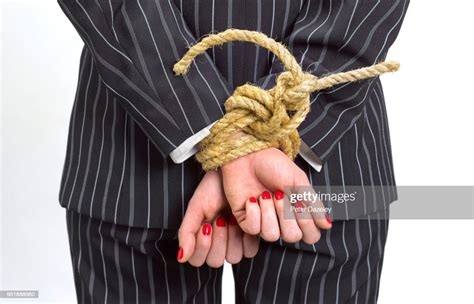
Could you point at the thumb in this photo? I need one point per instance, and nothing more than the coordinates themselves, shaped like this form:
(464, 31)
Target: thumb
(190, 225)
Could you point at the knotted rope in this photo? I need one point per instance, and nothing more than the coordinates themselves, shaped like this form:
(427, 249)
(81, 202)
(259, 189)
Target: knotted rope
(263, 115)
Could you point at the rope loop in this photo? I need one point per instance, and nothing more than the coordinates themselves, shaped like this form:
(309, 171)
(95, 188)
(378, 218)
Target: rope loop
(264, 115)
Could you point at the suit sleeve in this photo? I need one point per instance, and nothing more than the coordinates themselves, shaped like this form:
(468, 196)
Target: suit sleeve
(135, 45)
(335, 36)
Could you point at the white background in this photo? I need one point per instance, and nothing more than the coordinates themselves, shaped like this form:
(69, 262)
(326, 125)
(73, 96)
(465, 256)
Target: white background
(430, 105)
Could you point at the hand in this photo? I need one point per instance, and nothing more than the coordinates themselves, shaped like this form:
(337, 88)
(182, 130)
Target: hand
(250, 178)
(209, 233)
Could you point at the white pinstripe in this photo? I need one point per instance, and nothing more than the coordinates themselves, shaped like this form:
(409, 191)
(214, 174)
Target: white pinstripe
(123, 167)
(73, 124)
(91, 140)
(278, 275)
(106, 284)
(100, 152)
(358, 27)
(81, 137)
(100, 33)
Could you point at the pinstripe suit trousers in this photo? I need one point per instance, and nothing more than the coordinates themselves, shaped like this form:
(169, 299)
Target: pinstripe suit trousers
(122, 264)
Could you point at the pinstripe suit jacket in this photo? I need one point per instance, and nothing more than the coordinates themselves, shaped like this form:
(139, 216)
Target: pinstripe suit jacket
(130, 111)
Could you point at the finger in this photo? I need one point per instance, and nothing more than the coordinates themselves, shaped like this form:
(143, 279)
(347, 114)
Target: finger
(190, 226)
(251, 222)
(311, 233)
(251, 244)
(269, 225)
(216, 256)
(319, 215)
(235, 249)
(203, 244)
(290, 231)
(187, 242)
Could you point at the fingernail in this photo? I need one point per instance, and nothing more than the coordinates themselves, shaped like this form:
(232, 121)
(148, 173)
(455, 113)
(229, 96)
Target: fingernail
(299, 206)
(232, 220)
(253, 199)
(206, 229)
(266, 195)
(279, 195)
(180, 254)
(220, 221)
(328, 219)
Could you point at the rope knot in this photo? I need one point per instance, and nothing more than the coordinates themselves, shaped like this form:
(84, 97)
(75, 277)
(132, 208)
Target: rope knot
(296, 91)
(265, 118)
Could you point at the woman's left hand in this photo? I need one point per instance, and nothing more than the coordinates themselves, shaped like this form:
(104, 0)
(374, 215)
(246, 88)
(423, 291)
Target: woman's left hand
(209, 233)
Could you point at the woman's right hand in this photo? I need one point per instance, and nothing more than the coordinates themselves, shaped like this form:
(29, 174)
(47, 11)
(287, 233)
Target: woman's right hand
(249, 182)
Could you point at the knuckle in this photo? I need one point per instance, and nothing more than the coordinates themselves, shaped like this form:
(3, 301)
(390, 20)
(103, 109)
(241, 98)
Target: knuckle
(306, 223)
(270, 236)
(250, 253)
(312, 238)
(219, 238)
(214, 263)
(203, 244)
(233, 259)
(301, 176)
(252, 228)
(252, 231)
(196, 263)
(293, 236)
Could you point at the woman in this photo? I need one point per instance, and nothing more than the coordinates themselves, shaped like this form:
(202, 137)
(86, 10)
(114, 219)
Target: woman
(129, 178)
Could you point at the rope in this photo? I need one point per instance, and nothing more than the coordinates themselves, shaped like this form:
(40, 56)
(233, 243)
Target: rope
(263, 115)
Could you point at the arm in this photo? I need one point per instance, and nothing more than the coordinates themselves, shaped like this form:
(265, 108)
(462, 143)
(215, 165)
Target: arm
(191, 146)
(330, 37)
(135, 44)
(335, 36)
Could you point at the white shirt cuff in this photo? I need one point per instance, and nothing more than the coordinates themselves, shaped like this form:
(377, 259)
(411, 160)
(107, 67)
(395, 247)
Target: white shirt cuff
(190, 146)
(310, 157)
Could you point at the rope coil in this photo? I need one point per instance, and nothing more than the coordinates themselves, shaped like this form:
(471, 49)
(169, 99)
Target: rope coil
(263, 115)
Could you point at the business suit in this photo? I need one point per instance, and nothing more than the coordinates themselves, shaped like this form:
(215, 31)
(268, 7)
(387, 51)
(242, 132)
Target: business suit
(131, 112)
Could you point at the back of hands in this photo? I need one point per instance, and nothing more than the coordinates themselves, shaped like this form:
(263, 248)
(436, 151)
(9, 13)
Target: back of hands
(235, 206)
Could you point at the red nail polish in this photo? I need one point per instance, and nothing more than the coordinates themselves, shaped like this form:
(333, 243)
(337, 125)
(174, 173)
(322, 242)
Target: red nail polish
(206, 229)
(180, 254)
(279, 195)
(328, 219)
(299, 207)
(266, 195)
(232, 220)
(253, 199)
(220, 221)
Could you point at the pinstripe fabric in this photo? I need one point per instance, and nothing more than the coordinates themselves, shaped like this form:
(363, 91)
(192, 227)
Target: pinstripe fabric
(130, 111)
(343, 267)
(119, 264)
